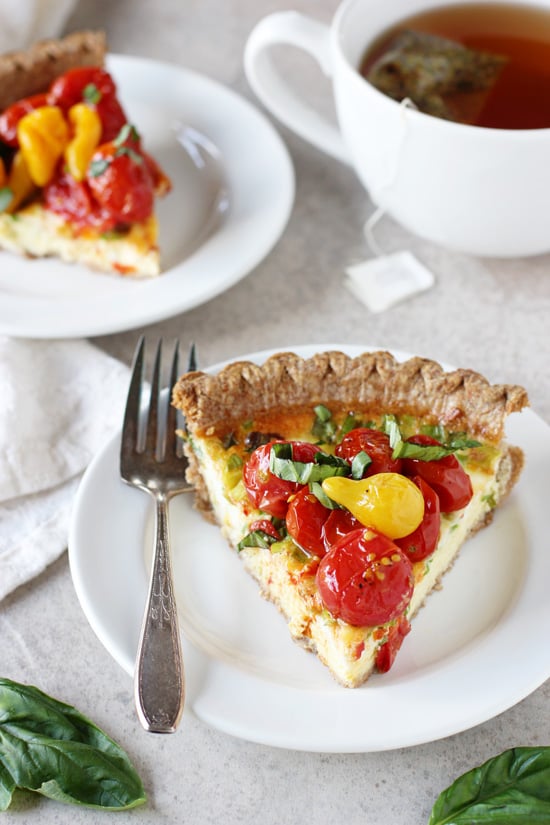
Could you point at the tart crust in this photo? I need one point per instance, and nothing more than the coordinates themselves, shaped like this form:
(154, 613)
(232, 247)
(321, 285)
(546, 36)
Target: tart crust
(29, 72)
(374, 382)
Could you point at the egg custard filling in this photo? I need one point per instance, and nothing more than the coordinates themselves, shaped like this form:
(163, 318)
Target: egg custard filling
(345, 505)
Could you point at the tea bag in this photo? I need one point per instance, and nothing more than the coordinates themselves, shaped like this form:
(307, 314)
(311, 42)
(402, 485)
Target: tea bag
(442, 77)
(382, 282)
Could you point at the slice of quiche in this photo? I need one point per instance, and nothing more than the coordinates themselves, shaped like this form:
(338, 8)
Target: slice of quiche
(348, 486)
(75, 179)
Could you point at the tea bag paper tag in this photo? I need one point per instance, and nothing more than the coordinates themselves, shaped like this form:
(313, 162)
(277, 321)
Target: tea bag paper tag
(381, 282)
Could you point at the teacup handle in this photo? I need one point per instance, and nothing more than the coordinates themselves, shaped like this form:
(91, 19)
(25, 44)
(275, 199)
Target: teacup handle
(293, 29)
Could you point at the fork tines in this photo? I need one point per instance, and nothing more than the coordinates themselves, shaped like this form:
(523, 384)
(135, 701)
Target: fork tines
(148, 424)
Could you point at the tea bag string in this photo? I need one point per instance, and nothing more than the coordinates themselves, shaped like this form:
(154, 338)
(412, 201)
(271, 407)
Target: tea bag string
(379, 212)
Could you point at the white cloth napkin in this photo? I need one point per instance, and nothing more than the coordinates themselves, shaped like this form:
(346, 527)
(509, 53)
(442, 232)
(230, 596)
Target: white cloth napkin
(22, 22)
(59, 403)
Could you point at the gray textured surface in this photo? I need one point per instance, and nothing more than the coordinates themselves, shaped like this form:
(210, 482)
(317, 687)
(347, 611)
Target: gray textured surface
(489, 315)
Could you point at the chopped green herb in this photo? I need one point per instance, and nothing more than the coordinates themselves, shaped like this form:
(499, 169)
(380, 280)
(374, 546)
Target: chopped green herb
(91, 94)
(323, 413)
(350, 423)
(256, 538)
(6, 197)
(234, 462)
(424, 452)
(324, 428)
(490, 499)
(359, 464)
(127, 131)
(112, 235)
(319, 493)
(98, 167)
(325, 465)
(132, 154)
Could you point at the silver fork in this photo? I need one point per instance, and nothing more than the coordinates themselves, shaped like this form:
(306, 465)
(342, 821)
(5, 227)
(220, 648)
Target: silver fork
(151, 459)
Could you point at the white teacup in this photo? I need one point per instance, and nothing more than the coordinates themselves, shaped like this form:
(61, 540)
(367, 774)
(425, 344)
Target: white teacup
(479, 190)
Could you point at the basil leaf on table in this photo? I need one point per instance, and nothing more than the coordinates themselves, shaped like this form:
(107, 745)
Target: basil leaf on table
(510, 789)
(50, 747)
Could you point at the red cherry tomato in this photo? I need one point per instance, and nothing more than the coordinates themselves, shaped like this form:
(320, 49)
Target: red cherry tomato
(266, 526)
(338, 524)
(446, 476)
(266, 491)
(70, 88)
(365, 579)
(386, 653)
(73, 200)
(123, 186)
(373, 442)
(422, 542)
(11, 116)
(305, 519)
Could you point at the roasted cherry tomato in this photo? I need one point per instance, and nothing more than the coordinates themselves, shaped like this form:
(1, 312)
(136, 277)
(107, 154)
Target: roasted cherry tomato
(373, 442)
(11, 116)
(365, 579)
(266, 526)
(96, 87)
(305, 519)
(386, 653)
(446, 476)
(266, 491)
(338, 524)
(73, 200)
(422, 542)
(121, 183)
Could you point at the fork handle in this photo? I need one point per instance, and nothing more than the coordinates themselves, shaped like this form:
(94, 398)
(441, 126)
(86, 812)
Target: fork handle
(159, 681)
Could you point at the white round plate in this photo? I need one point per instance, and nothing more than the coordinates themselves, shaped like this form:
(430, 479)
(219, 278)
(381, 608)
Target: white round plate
(233, 190)
(476, 648)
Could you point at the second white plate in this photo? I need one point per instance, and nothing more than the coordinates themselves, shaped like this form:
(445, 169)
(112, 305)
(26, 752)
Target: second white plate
(233, 190)
(467, 658)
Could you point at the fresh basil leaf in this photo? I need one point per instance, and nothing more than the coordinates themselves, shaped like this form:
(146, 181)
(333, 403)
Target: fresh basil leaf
(6, 197)
(350, 422)
(91, 93)
(325, 465)
(98, 167)
(7, 787)
(320, 494)
(323, 413)
(359, 464)
(132, 154)
(510, 789)
(51, 748)
(256, 538)
(234, 462)
(126, 131)
(424, 452)
(460, 441)
(323, 428)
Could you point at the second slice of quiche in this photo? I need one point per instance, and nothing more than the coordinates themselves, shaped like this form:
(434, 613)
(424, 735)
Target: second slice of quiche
(75, 179)
(348, 486)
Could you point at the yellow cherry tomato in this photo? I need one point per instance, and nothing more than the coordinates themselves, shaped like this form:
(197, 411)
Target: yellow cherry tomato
(43, 135)
(19, 182)
(87, 128)
(387, 502)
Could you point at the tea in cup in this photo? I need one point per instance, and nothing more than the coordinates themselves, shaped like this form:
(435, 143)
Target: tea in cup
(466, 163)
